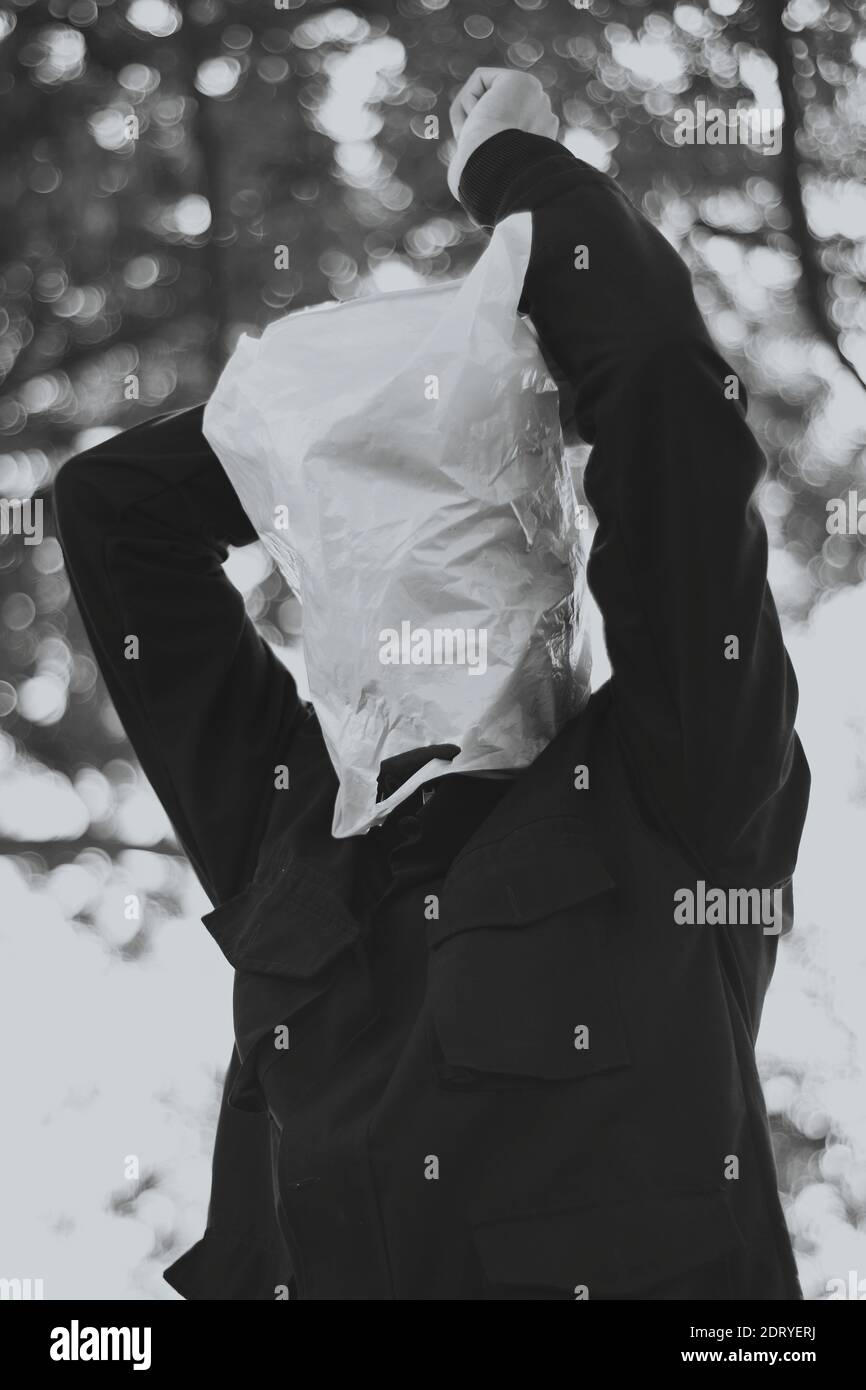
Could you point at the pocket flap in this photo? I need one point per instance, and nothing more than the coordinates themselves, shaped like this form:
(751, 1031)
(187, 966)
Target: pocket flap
(612, 1250)
(529, 1005)
(529, 875)
(288, 926)
(298, 955)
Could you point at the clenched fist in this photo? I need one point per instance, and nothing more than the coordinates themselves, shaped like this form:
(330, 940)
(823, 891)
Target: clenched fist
(495, 99)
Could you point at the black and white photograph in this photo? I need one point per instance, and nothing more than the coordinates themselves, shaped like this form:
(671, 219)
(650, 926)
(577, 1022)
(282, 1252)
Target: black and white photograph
(433, 662)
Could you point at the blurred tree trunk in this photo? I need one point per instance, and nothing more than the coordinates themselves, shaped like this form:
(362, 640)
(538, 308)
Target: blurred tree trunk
(814, 281)
(195, 47)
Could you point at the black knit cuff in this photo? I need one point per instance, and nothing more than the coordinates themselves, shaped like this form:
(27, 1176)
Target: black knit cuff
(500, 162)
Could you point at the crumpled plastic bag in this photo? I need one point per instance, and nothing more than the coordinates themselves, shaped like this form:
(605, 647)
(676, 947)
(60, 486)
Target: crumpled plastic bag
(401, 458)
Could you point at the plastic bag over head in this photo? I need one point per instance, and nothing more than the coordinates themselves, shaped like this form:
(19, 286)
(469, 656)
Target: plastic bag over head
(401, 458)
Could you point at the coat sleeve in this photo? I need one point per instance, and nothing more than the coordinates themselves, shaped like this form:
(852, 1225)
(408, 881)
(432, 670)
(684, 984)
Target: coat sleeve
(145, 520)
(704, 695)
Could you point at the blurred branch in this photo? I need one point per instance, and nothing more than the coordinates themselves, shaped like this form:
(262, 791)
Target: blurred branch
(57, 852)
(813, 277)
(751, 238)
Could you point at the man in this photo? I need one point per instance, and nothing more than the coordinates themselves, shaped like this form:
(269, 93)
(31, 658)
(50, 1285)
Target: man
(501, 1047)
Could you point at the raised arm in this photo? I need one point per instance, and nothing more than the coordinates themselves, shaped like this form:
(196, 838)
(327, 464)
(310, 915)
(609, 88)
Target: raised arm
(704, 694)
(145, 521)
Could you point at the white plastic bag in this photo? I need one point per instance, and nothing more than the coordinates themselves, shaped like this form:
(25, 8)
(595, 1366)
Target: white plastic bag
(401, 458)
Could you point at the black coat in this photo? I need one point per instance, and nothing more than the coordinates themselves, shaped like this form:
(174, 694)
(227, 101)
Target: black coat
(554, 1094)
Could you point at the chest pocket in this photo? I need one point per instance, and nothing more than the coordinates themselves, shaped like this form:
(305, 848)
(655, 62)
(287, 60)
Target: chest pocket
(302, 979)
(521, 983)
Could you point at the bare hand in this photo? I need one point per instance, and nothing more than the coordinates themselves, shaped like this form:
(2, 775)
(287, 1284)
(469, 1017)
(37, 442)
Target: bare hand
(495, 99)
